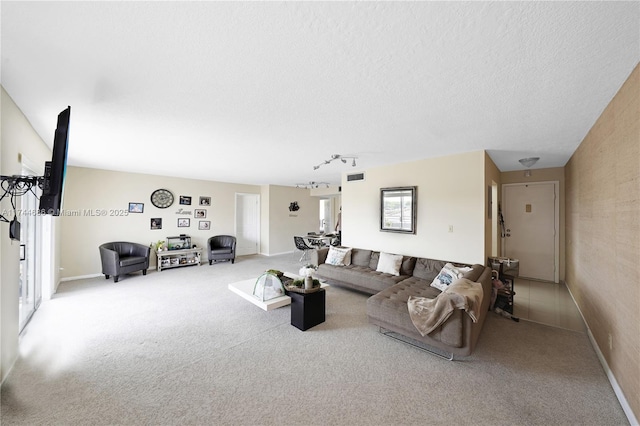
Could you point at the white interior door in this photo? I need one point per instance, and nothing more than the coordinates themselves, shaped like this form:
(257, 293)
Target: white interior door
(247, 224)
(531, 216)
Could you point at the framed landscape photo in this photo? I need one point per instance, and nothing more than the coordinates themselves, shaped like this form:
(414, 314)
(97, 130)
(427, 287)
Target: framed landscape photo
(200, 213)
(398, 208)
(205, 201)
(136, 207)
(184, 222)
(204, 225)
(156, 223)
(185, 200)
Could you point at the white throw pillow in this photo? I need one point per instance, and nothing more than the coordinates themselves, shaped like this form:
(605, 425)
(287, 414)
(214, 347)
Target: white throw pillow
(338, 256)
(447, 275)
(389, 263)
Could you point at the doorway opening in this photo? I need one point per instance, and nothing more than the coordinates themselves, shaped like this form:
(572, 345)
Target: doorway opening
(30, 280)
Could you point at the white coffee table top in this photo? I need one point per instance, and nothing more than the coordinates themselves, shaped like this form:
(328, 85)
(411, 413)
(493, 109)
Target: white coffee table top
(244, 289)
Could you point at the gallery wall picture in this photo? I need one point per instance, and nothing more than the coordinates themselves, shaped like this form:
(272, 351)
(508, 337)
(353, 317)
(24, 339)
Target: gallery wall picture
(156, 223)
(205, 201)
(136, 207)
(184, 223)
(204, 225)
(200, 213)
(185, 200)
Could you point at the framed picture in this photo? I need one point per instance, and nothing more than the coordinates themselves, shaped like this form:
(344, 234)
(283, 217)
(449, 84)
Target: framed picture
(184, 222)
(156, 223)
(205, 201)
(136, 207)
(204, 225)
(398, 209)
(22, 251)
(200, 213)
(185, 200)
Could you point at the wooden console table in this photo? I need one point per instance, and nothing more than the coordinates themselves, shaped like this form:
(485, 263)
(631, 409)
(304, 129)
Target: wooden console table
(176, 258)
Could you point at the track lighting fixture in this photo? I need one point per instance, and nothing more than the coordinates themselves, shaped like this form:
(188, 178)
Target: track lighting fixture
(342, 158)
(311, 185)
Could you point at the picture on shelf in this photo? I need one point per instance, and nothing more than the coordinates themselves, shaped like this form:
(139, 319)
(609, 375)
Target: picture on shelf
(184, 223)
(185, 200)
(200, 213)
(204, 225)
(156, 223)
(136, 207)
(205, 201)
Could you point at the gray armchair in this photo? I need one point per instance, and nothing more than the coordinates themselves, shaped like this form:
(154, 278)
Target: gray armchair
(121, 257)
(222, 247)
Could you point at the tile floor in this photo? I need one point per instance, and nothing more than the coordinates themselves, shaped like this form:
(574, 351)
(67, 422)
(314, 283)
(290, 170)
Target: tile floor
(546, 303)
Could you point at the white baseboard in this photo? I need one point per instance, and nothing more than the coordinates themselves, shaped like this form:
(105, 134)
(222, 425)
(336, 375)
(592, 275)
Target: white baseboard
(612, 378)
(276, 254)
(79, 277)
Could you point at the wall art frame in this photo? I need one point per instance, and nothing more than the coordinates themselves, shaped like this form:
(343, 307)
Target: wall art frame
(399, 209)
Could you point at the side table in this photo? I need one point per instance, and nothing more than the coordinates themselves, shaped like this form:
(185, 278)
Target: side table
(307, 309)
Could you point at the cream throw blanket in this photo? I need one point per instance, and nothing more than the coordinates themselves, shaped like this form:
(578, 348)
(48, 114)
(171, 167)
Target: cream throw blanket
(427, 314)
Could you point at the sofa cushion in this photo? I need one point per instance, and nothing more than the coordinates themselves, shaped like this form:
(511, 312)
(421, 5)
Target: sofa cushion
(389, 263)
(338, 256)
(475, 272)
(375, 258)
(359, 277)
(408, 263)
(360, 257)
(447, 275)
(427, 269)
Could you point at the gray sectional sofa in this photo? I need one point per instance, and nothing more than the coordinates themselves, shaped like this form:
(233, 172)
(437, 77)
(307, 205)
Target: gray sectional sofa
(387, 307)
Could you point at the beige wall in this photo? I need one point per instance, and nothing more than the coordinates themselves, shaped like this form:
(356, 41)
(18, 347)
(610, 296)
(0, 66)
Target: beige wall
(18, 139)
(451, 192)
(284, 224)
(603, 235)
(545, 175)
(90, 191)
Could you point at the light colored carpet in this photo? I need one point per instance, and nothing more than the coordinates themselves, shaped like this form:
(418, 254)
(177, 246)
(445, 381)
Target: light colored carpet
(177, 347)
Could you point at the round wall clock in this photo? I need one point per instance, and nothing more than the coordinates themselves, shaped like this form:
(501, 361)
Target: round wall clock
(162, 198)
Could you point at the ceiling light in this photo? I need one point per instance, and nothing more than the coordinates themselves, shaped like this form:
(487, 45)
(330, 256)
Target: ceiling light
(342, 158)
(528, 162)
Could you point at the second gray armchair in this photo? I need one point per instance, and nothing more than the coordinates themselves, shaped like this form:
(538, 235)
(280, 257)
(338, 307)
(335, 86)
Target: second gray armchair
(222, 247)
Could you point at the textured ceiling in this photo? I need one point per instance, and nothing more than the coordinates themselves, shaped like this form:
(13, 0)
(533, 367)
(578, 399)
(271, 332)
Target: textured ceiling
(260, 92)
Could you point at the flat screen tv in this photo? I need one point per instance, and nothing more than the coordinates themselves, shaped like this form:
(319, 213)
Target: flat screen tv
(55, 170)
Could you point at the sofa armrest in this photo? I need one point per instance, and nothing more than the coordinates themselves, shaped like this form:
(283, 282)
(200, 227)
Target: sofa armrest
(110, 261)
(319, 256)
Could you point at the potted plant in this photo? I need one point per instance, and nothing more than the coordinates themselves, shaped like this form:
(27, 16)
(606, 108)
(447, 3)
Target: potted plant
(307, 272)
(158, 245)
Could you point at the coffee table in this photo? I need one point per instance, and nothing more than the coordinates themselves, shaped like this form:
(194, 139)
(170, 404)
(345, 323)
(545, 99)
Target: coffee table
(244, 289)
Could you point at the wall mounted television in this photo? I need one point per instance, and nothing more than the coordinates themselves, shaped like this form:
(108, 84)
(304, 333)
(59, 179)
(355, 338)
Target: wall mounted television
(55, 170)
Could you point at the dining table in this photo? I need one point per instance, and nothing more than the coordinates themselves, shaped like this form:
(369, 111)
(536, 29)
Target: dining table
(320, 240)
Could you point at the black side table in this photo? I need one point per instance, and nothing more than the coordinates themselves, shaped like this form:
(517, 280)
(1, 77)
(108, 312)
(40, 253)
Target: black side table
(307, 309)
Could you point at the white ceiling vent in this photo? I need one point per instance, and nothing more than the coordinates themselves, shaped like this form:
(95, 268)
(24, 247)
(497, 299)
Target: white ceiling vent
(355, 176)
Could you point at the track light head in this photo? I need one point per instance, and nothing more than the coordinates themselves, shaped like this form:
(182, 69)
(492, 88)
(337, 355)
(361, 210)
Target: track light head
(353, 164)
